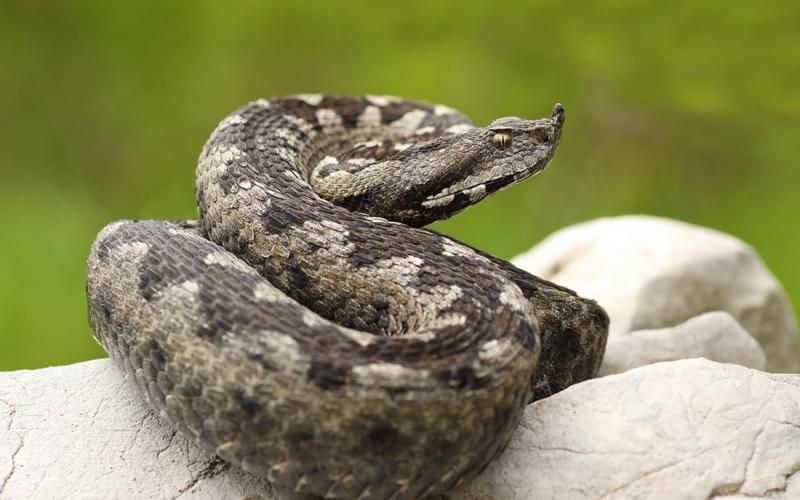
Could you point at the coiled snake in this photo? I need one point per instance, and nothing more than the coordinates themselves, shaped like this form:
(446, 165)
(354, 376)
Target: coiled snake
(307, 330)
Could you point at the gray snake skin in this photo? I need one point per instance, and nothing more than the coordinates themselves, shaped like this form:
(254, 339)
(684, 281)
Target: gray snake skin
(309, 331)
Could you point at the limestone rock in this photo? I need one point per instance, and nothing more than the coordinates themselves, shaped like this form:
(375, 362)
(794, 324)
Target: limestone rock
(685, 429)
(649, 272)
(680, 430)
(82, 431)
(715, 336)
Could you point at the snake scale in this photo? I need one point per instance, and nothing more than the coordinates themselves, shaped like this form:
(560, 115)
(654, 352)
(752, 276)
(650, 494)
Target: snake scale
(309, 331)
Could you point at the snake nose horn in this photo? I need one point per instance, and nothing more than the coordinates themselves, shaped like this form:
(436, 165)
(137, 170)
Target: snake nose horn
(558, 120)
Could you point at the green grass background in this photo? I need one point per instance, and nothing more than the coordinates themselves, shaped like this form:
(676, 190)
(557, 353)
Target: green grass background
(681, 109)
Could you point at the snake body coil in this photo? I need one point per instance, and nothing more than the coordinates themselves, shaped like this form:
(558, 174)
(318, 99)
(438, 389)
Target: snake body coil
(409, 363)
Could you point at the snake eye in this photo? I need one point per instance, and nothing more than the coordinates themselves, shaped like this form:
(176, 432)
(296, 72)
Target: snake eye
(501, 141)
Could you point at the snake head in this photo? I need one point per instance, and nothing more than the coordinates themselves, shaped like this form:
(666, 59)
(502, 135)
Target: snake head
(492, 159)
(435, 179)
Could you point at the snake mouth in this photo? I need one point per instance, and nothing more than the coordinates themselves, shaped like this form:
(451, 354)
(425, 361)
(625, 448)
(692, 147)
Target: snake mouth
(442, 199)
(472, 194)
(477, 192)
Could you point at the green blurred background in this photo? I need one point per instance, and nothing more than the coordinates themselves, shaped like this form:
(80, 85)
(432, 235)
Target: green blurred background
(686, 109)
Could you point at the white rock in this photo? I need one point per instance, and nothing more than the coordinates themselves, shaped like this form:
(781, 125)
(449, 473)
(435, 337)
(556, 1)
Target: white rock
(686, 429)
(715, 336)
(681, 430)
(82, 432)
(649, 272)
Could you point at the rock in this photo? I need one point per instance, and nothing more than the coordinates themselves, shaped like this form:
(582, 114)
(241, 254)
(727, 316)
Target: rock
(715, 336)
(693, 428)
(680, 430)
(649, 272)
(82, 431)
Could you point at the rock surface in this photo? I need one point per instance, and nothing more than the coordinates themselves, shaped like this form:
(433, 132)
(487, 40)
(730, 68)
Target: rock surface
(689, 429)
(648, 272)
(82, 431)
(681, 430)
(715, 336)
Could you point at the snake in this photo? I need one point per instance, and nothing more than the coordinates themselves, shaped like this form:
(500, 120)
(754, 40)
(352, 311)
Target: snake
(309, 330)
